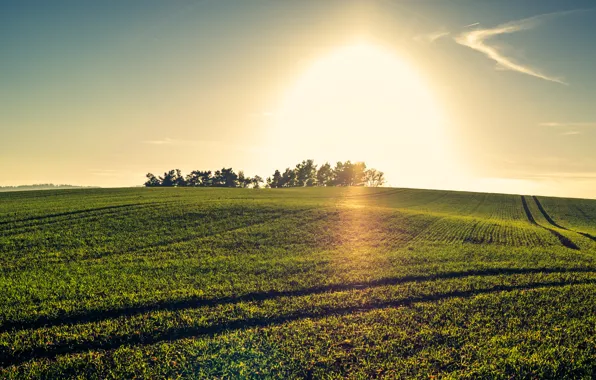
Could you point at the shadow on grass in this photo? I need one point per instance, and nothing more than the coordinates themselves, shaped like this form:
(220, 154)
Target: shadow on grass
(173, 334)
(564, 240)
(552, 222)
(195, 302)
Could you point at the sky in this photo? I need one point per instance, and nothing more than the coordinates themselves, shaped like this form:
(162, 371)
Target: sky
(477, 95)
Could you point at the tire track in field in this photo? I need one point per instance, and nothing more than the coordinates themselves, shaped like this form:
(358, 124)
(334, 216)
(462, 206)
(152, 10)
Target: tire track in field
(527, 211)
(545, 214)
(69, 213)
(90, 215)
(565, 241)
(99, 315)
(177, 333)
(553, 223)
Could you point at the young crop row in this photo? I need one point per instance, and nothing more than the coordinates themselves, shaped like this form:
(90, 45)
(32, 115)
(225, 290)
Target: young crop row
(33, 350)
(478, 231)
(290, 283)
(573, 214)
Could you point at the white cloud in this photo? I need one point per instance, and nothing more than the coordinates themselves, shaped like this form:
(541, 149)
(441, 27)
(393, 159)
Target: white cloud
(564, 175)
(471, 25)
(165, 141)
(432, 37)
(569, 124)
(169, 141)
(570, 133)
(477, 40)
(205, 144)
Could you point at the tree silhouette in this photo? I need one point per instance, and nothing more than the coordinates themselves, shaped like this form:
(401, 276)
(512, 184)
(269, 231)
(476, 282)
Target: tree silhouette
(275, 181)
(374, 178)
(256, 181)
(349, 174)
(168, 178)
(199, 178)
(179, 179)
(304, 174)
(288, 178)
(242, 180)
(225, 178)
(325, 175)
(152, 181)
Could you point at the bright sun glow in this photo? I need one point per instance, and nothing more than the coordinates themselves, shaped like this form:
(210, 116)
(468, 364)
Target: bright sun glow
(364, 103)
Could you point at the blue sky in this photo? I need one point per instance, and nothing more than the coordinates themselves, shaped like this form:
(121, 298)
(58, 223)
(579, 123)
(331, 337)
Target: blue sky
(99, 93)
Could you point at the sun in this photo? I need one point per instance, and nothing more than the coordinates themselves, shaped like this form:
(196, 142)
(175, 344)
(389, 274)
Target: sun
(364, 103)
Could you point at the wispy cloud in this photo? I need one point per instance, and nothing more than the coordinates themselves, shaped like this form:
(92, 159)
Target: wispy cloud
(570, 133)
(477, 40)
(105, 172)
(166, 141)
(569, 124)
(169, 141)
(471, 25)
(431, 37)
(211, 145)
(564, 175)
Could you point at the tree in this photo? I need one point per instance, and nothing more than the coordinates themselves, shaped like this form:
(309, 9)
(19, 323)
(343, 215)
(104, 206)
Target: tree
(325, 175)
(256, 181)
(152, 181)
(374, 178)
(358, 172)
(205, 178)
(179, 179)
(341, 174)
(168, 178)
(275, 181)
(244, 181)
(199, 178)
(288, 178)
(225, 178)
(305, 173)
(349, 174)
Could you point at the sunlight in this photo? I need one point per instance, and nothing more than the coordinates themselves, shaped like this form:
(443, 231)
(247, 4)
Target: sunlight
(364, 103)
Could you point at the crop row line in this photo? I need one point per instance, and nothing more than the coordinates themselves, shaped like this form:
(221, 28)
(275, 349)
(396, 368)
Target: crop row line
(564, 240)
(87, 216)
(70, 213)
(552, 222)
(177, 333)
(195, 302)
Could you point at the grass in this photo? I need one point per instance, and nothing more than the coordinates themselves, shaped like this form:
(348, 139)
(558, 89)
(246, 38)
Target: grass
(296, 283)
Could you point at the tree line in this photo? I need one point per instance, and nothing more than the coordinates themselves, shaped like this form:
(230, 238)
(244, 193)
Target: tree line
(306, 173)
(225, 177)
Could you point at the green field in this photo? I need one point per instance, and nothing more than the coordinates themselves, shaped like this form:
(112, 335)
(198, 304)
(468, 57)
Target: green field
(296, 283)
